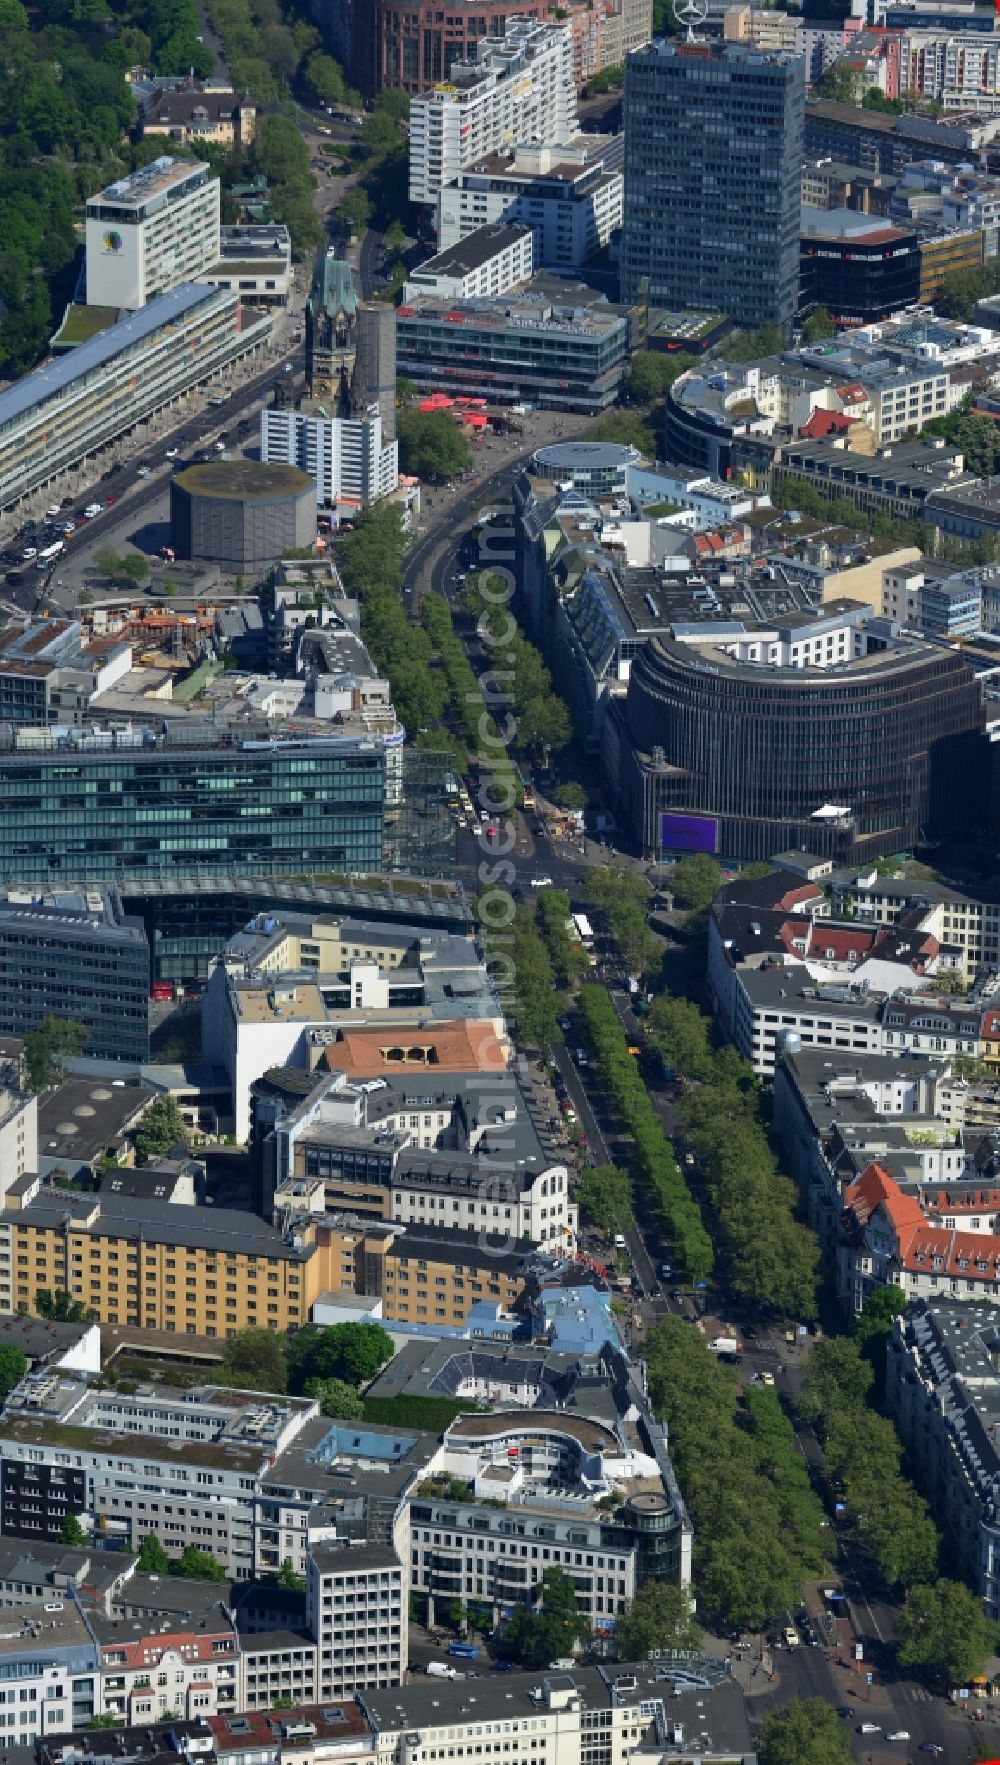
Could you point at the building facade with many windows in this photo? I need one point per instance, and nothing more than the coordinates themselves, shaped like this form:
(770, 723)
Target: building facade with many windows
(59, 415)
(105, 806)
(518, 87)
(713, 154)
(151, 231)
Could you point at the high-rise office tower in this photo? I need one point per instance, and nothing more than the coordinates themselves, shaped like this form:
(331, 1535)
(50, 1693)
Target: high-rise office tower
(713, 151)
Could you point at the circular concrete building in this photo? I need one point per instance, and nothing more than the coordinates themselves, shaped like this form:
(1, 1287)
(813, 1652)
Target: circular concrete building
(241, 514)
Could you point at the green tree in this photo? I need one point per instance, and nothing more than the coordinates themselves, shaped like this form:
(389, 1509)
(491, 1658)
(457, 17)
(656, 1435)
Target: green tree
(199, 1565)
(13, 1366)
(625, 429)
(325, 78)
(660, 1617)
(840, 82)
(604, 1193)
(818, 326)
(47, 1049)
(352, 1352)
(395, 238)
(835, 1379)
(534, 1005)
(153, 1559)
(59, 1306)
(651, 374)
(750, 346)
(72, 1532)
(682, 1035)
(549, 1628)
(695, 881)
(355, 210)
(125, 570)
(431, 445)
(281, 153)
(571, 795)
(160, 1130)
(874, 1327)
(254, 1361)
(289, 1577)
(806, 1732)
(336, 1398)
(944, 1630)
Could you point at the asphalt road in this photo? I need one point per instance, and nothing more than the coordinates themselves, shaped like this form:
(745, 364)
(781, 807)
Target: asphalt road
(112, 525)
(369, 258)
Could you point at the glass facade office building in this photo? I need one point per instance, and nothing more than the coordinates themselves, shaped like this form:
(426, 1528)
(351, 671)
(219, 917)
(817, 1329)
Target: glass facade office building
(713, 154)
(77, 956)
(99, 806)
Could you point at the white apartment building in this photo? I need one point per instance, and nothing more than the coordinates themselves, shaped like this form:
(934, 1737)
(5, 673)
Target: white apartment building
(181, 1464)
(49, 1671)
(960, 70)
(519, 88)
(569, 194)
(346, 456)
(491, 260)
(151, 1666)
(681, 1709)
(357, 1610)
(151, 231)
(18, 1151)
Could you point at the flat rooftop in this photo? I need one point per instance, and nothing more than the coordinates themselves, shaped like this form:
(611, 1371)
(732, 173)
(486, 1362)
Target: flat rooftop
(156, 179)
(54, 379)
(472, 252)
(590, 1435)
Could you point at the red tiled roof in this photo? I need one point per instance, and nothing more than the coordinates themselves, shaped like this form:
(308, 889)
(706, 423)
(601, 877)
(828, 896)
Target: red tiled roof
(921, 1245)
(823, 423)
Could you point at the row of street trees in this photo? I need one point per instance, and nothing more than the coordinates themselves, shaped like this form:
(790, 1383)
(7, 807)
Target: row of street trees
(678, 1208)
(568, 957)
(889, 1521)
(757, 1522)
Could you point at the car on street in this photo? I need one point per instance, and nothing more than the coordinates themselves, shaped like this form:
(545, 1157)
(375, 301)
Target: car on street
(930, 1746)
(564, 1024)
(172, 452)
(109, 501)
(143, 471)
(541, 882)
(899, 1734)
(869, 1728)
(844, 1711)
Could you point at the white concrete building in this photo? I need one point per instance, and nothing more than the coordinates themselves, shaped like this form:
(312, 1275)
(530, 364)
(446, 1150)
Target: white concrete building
(256, 263)
(519, 88)
(346, 456)
(490, 260)
(569, 193)
(357, 1610)
(49, 1671)
(150, 232)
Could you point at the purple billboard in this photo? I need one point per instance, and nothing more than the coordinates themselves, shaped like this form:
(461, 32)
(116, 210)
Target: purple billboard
(689, 833)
